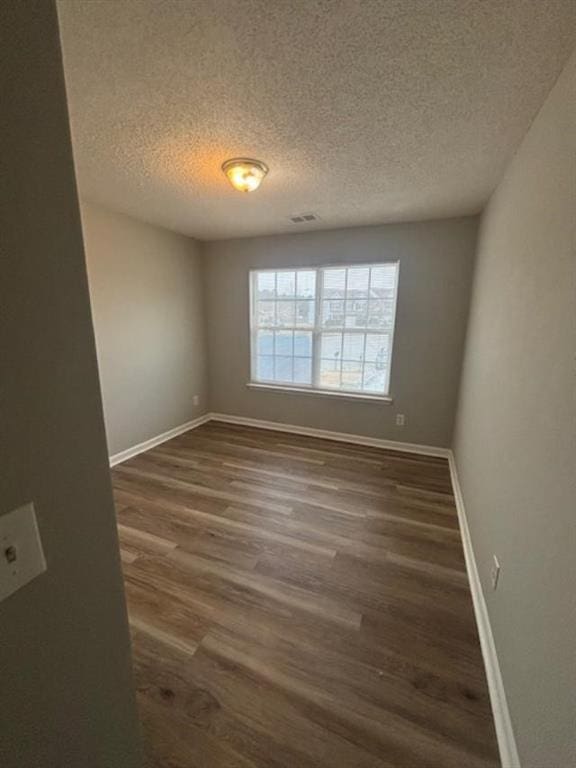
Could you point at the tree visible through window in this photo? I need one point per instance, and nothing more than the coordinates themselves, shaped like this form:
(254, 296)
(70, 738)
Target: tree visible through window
(329, 328)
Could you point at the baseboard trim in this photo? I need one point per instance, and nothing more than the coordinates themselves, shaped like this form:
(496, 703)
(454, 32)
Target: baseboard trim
(118, 458)
(504, 731)
(341, 437)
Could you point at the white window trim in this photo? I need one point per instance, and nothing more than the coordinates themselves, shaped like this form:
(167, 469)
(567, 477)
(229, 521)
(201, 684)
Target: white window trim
(316, 331)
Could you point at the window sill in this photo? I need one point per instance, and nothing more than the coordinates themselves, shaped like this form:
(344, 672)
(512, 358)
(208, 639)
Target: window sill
(384, 399)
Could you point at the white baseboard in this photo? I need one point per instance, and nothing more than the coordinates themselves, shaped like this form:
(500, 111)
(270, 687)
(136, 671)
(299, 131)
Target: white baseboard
(504, 731)
(118, 458)
(342, 437)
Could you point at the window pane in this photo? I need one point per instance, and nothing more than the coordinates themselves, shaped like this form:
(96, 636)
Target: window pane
(381, 313)
(285, 313)
(376, 314)
(377, 347)
(303, 344)
(353, 347)
(358, 280)
(306, 285)
(265, 343)
(265, 285)
(383, 281)
(374, 378)
(330, 374)
(305, 313)
(286, 284)
(303, 370)
(266, 312)
(284, 343)
(334, 283)
(356, 313)
(333, 313)
(265, 368)
(283, 369)
(331, 346)
(351, 375)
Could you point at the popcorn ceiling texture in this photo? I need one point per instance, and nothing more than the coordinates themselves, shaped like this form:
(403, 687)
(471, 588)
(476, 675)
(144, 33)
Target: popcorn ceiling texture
(366, 111)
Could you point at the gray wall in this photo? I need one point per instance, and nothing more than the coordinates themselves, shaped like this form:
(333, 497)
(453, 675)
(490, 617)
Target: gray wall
(146, 292)
(436, 264)
(66, 691)
(515, 437)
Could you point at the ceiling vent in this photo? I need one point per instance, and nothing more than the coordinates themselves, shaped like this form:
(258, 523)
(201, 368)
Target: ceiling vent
(304, 218)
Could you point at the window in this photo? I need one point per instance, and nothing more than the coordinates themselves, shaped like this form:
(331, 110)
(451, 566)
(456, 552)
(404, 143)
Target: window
(328, 329)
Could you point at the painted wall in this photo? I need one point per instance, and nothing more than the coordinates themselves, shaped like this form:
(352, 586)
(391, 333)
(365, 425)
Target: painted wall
(436, 264)
(515, 437)
(146, 292)
(66, 696)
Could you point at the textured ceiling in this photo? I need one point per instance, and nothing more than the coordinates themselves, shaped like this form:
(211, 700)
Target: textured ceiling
(366, 111)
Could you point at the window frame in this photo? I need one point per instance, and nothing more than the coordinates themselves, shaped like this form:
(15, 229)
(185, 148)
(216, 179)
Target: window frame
(316, 332)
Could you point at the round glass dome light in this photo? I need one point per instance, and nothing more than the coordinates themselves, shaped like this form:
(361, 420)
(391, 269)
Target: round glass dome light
(245, 174)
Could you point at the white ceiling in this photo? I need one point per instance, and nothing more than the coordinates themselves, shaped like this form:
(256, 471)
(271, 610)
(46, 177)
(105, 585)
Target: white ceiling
(366, 111)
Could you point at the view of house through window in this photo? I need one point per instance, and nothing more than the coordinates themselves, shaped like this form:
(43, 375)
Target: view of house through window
(329, 328)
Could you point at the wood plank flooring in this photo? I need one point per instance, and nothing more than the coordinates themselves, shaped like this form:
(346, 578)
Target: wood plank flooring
(299, 603)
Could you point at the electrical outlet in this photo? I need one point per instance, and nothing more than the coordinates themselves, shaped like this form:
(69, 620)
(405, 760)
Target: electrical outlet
(400, 420)
(196, 400)
(495, 572)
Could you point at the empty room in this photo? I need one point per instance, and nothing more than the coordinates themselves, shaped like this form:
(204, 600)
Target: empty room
(288, 397)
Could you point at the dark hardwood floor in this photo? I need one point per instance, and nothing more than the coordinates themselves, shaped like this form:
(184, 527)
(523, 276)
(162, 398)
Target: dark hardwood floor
(299, 603)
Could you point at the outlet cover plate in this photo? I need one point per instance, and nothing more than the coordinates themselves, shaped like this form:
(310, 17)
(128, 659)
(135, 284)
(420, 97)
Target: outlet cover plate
(21, 554)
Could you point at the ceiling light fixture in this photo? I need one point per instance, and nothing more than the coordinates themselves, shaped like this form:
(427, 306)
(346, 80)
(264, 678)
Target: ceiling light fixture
(244, 174)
